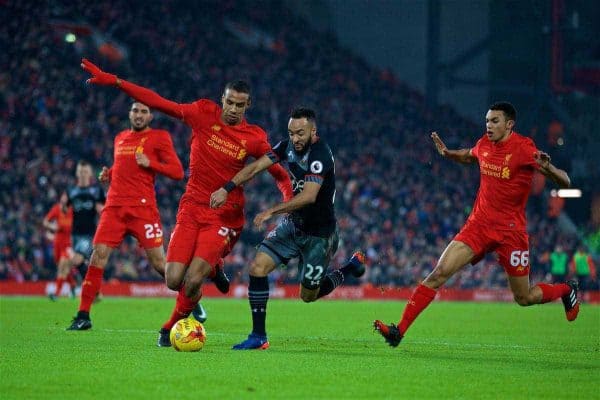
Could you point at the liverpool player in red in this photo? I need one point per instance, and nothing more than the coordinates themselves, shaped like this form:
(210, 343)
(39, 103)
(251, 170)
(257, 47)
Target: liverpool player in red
(497, 223)
(59, 221)
(221, 142)
(139, 154)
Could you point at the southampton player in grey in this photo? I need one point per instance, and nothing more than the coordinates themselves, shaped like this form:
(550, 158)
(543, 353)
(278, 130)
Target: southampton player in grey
(308, 231)
(87, 201)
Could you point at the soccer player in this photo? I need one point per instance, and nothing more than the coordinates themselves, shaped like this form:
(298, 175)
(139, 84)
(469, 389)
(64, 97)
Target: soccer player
(497, 223)
(139, 154)
(59, 221)
(87, 201)
(222, 140)
(309, 231)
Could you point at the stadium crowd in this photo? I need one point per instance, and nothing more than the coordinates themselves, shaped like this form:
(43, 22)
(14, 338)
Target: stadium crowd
(396, 198)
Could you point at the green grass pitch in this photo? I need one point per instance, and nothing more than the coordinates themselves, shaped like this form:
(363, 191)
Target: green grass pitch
(323, 350)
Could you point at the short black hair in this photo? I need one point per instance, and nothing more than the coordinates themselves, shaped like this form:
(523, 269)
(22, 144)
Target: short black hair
(139, 102)
(304, 112)
(84, 163)
(510, 112)
(239, 86)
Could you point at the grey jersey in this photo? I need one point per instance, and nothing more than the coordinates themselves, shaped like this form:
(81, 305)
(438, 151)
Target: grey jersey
(316, 165)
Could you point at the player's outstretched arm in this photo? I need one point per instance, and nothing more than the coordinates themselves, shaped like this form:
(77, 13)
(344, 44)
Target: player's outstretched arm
(557, 175)
(283, 181)
(463, 156)
(218, 197)
(141, 94)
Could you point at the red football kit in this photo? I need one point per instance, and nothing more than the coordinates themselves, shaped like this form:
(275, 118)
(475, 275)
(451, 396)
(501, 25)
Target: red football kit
(62, 237)
(131, 202)
(497, 222)
(218, 152)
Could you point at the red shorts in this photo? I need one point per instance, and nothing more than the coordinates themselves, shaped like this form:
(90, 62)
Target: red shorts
(143, 223)
(60, 249)
(203, 232)
(512, 247)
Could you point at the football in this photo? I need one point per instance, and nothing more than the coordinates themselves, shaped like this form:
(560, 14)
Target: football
(188, 335)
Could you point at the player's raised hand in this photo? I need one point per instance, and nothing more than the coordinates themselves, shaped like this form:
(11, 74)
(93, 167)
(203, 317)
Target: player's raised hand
(218, 198)
(99, 77)
(543, 159)
(104, 175)
(439, 144)
(141, 159)
(261, 218)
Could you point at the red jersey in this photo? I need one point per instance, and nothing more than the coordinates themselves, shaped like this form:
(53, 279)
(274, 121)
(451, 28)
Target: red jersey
(132, 184)
(506, 174)
(218, 151)
(64, 221)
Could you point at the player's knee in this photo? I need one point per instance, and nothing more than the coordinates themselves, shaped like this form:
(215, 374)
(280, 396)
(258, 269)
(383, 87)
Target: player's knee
(173, 282)
(257, 269)
(308, 296)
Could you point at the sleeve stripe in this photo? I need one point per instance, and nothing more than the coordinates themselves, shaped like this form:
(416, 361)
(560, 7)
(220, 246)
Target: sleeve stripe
(314, 178)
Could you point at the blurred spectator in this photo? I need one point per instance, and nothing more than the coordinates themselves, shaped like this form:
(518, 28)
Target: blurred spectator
(559, 261)
(584, 268)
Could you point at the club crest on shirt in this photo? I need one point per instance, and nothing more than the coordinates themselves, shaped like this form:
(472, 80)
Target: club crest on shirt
(507, 158)
(485, 154)
(216, 127)
(140, 147)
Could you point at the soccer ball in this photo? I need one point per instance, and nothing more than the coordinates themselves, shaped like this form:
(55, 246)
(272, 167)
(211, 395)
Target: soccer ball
(188, 335)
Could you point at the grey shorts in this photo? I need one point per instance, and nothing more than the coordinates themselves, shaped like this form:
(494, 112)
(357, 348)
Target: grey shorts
(286, 242)
(82, 244)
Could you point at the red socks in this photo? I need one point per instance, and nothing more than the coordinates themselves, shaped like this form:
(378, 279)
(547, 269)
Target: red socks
(59, 285)
(418, 301)
(90, 287)
(183, 307)
(552, 292)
